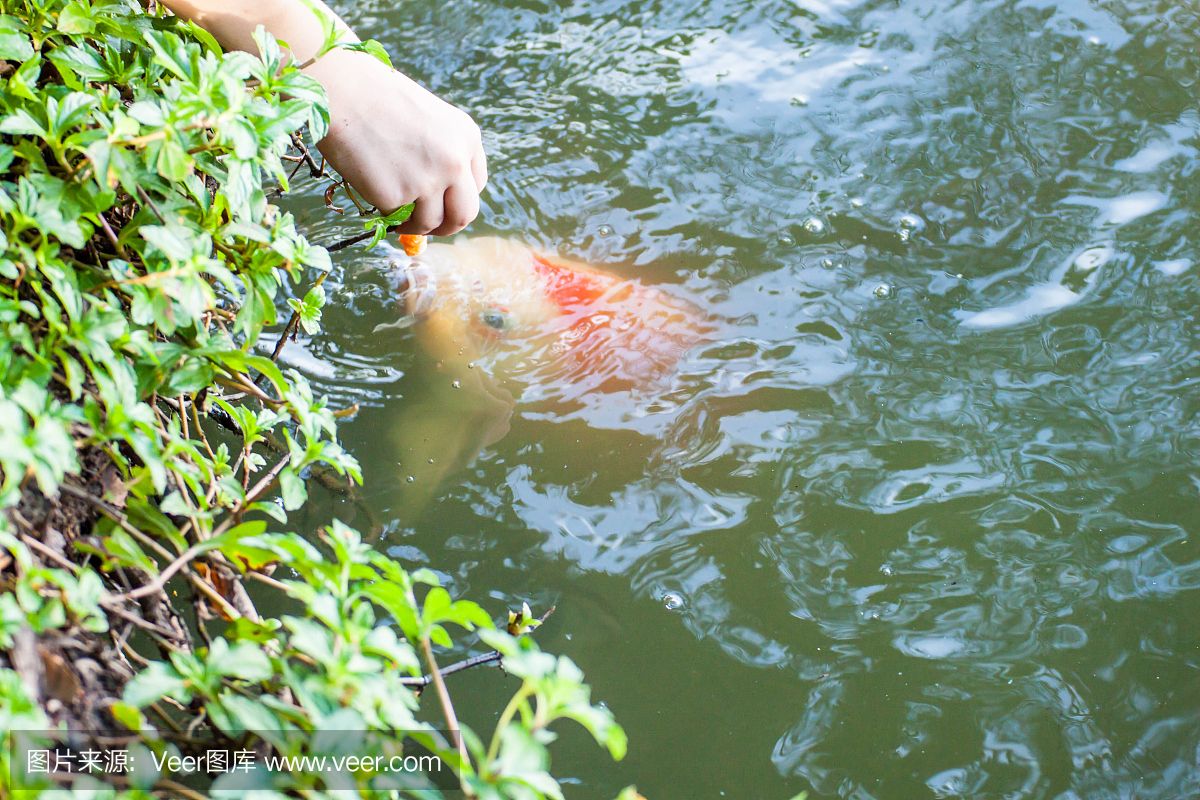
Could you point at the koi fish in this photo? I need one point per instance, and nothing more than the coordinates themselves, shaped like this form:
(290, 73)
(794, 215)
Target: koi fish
(534, 317)
(494, 317)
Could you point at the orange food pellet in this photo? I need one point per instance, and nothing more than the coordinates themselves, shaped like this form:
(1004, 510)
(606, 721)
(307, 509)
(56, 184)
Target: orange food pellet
(412, 245)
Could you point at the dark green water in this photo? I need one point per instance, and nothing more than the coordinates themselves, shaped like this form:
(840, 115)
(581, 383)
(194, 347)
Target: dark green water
(927, 507)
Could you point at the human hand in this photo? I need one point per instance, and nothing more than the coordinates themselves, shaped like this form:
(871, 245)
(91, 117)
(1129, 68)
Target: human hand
(397, 143)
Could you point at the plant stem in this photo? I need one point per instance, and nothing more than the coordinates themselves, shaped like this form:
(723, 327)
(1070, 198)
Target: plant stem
(447, 711)
(506, 717)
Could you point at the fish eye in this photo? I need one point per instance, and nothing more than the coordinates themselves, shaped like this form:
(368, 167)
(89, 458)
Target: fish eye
(494, 319)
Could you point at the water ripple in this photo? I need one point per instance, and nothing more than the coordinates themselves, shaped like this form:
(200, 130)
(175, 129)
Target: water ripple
(926, 499)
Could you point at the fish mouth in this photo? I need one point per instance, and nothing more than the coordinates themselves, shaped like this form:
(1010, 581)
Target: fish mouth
(418, 290)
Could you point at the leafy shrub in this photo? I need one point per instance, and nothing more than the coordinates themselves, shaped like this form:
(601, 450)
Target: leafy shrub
(142, 433)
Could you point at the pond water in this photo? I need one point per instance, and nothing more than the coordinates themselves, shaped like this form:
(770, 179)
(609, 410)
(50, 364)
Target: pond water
(921, 518)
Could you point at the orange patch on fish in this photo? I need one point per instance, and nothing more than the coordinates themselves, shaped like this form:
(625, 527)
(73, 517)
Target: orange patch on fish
(570, 287)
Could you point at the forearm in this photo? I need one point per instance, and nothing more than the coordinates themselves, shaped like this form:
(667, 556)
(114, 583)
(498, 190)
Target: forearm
(232, 22)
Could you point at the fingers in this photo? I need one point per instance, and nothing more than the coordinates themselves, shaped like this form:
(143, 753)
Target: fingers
(427, 215)
(442, 213)
(460, 206)
(479, 170)
(448, 213)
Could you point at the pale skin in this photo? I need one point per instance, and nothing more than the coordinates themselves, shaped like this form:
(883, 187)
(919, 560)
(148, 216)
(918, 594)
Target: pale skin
(394, 141)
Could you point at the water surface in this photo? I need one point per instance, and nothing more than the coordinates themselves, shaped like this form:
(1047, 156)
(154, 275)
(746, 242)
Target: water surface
(922, 519)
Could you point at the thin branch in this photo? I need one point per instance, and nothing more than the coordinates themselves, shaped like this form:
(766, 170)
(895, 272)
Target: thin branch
(49, 553)
(134, 619)
(116, 516)
(290, 329)
(161, 579)
(447, 711)
(314, 169)
(112, 237)
(468, 663)
(506, 716)
(259, 489)
(153, 207)
(344, 243)
(215, 596)
(267, 580)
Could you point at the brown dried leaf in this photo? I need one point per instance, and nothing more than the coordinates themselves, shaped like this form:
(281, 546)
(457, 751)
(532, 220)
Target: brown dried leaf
(223, 585)
(58, 679)
(329, 199)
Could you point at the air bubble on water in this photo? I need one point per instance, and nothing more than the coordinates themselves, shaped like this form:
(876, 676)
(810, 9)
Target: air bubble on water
(857, 202)
(411, 479)
(828, 263)
(786, 240)
(814, 226)
(457, 384)
(883, 291)
(431, 459)
(672, 601)
(470, 365)
(910, 224)
(604, 230)
(886, 569)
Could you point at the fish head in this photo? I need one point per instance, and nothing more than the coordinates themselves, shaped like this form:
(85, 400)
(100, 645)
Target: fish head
(539, 316)
(477, 296)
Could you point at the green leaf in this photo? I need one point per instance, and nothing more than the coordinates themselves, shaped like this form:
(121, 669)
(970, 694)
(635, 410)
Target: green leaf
(125, 551)
(156, 681)
(15, 46)
(204, 37)
(437, 605)
(465, 613)
(291, 487)
(243, 660)
(173, 161)
(268, 368)
(170, 53)
(22, 123)
(371, 47)
(398, 216)
(128, 716)
(148, 518)
(396, 602)
(191, 376)
(76, 17)
(235, 714)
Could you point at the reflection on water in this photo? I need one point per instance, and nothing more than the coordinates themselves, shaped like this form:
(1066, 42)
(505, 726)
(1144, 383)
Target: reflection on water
(920, 518)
